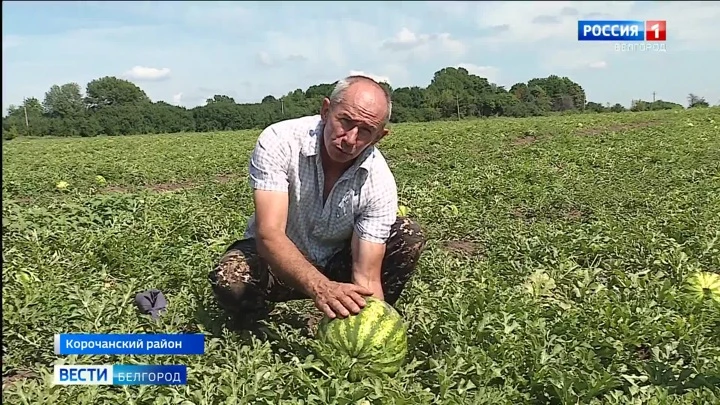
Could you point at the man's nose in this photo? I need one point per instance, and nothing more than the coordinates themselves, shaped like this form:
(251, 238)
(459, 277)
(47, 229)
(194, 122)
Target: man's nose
(350, 137)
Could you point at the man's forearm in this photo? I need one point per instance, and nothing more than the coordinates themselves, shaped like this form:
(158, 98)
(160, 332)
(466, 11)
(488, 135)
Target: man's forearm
(289, 263)
(366, 265)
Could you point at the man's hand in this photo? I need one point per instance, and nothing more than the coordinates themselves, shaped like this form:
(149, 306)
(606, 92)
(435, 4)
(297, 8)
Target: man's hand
(339, 299)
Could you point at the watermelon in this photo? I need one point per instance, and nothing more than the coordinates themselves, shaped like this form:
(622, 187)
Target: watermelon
(373, 341)
(704, 284)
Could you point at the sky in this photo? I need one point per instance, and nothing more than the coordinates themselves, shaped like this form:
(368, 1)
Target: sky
(185, 52)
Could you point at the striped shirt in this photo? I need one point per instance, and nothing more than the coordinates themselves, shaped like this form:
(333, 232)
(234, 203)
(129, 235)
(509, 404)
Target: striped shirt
(287, 158)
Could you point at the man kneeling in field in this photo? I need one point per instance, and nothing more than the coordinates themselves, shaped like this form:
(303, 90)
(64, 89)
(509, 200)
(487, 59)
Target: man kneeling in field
(325, 224)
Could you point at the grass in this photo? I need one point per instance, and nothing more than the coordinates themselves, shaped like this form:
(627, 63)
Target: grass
(554, 274)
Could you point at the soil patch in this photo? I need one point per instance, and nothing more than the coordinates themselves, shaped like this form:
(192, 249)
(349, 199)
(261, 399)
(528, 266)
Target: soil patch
(643, 352)
(525, 140)
(166, 187)
(225, 178)
(523, 213)
(574, 214)
(312, 321)
(173, 186)
(23, 200)
(16, 376)
(117, 189)
(463, 247)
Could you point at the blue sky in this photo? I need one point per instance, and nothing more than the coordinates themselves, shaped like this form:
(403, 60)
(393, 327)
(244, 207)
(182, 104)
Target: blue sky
(185, 52)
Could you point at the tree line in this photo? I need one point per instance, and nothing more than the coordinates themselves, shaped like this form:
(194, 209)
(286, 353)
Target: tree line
(112, 106)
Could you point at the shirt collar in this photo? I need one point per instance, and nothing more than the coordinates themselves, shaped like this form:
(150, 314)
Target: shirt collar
(311, 147)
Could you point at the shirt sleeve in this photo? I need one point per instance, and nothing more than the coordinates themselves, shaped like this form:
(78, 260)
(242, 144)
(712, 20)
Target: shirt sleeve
(380, 214)
(269, 162)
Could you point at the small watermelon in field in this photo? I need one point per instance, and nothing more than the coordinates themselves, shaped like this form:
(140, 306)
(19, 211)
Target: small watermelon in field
(704, 284)
(373, 341)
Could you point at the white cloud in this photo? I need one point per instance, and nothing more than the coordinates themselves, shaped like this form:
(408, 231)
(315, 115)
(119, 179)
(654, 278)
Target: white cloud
(10, 41)
(377, 78)
(399, 72)
(424, 45)
(295, 58)
(311, 56)
(491, 73)
(314, 56)
(406, 39)
(264, 58)
(283, 45)
(267, 60)
(318, 51)
(177, 98)
(147, 73)
(575, 58)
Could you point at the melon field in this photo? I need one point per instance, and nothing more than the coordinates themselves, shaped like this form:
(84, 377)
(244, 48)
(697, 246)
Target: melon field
(556, 271)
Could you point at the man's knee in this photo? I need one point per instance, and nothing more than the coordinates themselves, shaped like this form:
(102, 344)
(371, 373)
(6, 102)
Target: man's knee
(411, 234)
(231, 278)
(405, 245)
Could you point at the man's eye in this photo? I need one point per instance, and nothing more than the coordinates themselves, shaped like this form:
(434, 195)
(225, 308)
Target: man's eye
(349, 124)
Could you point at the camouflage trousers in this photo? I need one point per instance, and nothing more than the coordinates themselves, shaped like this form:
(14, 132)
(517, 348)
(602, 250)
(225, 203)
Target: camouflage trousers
(243, 283)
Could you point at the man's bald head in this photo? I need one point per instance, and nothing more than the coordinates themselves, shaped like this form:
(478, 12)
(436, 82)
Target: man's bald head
(355, 116)
(365, 88)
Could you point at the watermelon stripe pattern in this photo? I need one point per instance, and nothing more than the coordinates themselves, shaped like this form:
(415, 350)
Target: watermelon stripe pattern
(376, 338)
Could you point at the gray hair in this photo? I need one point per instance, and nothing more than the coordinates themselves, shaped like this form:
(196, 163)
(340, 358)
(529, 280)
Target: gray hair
(341, 87)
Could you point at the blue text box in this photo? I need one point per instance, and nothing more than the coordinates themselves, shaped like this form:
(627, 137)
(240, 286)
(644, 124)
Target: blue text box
(120, 374)
(166, 374)
(611, 30)
(129, 343)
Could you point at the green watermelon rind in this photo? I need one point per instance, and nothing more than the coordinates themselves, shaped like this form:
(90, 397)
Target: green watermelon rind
(375, 340)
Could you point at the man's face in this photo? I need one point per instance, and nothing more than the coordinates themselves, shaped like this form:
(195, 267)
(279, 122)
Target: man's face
(354, 124)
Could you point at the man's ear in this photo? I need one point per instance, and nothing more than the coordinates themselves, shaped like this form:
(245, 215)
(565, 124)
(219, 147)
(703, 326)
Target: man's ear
(382, 135)
(325, 108)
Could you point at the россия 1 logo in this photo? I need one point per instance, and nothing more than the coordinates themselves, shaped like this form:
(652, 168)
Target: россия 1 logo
(620, 31)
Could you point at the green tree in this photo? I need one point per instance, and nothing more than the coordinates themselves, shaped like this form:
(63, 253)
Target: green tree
(111, 91)
(695, 101)
(113, 106)
(64, 101)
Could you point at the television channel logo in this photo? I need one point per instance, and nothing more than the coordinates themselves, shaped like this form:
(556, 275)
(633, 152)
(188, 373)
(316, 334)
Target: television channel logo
(622, 30)
(120, 374)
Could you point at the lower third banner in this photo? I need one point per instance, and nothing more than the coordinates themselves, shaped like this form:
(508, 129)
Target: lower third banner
(120, 374)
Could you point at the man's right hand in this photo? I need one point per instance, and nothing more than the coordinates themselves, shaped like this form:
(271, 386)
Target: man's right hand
(340, 299)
